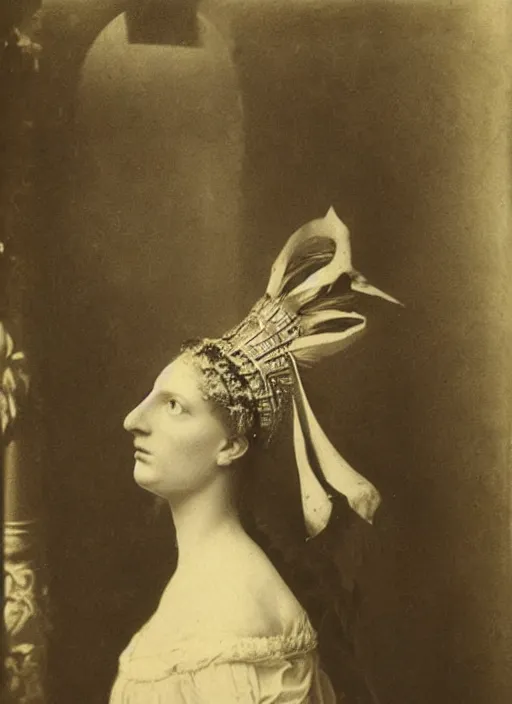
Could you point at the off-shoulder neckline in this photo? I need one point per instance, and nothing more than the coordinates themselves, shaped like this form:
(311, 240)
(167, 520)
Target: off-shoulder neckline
(197, 652)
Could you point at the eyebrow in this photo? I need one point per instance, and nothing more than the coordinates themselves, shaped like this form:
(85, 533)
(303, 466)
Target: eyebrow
(169, 392)
(162, 391)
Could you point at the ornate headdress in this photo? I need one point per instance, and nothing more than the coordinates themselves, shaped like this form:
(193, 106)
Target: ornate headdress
(298, 321)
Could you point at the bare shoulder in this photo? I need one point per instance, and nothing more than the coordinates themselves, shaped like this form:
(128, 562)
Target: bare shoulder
(235, 590)
(251, 597)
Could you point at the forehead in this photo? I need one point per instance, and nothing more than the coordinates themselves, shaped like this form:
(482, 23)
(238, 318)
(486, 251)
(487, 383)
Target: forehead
(183, 378)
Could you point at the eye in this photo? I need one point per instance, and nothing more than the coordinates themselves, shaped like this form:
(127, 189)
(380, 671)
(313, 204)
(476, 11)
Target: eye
(175, 408)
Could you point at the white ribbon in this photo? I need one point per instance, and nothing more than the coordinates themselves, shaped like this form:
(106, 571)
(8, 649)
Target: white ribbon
(361, 494)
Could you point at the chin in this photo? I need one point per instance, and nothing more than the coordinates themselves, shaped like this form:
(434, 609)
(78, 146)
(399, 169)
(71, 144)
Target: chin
(148, 479)
(145, 477)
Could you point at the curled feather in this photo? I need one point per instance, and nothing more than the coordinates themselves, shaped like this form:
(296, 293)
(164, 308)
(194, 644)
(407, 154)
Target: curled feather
(321, 249)
(324, 339)
(315, 258)
(329, 320)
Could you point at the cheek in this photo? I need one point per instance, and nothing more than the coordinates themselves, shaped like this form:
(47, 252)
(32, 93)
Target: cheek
(189, 454)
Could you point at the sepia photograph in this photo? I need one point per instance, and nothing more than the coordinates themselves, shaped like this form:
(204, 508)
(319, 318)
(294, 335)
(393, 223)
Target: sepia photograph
(256, 351)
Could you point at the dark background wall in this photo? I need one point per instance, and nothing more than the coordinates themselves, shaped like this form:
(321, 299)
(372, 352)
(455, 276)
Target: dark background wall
(170, 176)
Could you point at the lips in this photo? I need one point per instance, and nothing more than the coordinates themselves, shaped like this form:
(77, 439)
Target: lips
(141, 450)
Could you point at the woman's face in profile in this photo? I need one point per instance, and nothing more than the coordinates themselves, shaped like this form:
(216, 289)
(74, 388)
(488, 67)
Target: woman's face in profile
(177, 435)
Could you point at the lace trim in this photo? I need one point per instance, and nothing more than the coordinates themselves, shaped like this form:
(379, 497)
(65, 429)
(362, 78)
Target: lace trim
(190, 655)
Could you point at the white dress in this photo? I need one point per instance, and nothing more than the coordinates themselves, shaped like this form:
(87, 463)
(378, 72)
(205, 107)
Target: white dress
(223, 669)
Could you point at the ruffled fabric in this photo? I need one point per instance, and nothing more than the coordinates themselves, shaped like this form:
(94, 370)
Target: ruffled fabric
(224, 669)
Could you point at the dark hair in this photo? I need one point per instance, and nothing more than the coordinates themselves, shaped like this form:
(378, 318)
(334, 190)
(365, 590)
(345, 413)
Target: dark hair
(321, 572)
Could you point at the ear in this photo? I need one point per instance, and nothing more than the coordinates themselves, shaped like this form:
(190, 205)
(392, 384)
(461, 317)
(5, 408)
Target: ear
(232, 450)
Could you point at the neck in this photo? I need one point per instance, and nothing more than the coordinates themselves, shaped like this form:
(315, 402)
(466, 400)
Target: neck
(200, 519)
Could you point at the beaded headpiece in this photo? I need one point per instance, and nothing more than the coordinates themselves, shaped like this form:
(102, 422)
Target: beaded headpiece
(298, 321)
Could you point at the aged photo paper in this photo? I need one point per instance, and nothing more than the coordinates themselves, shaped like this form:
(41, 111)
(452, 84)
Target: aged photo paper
(156, 159)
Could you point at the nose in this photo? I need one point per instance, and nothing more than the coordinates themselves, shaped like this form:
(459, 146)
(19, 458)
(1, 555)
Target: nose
(137, 420)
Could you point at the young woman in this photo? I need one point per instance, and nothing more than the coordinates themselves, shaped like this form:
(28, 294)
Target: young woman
(228, 628)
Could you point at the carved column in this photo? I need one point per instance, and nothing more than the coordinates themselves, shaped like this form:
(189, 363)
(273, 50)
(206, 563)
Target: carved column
(24, 622)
